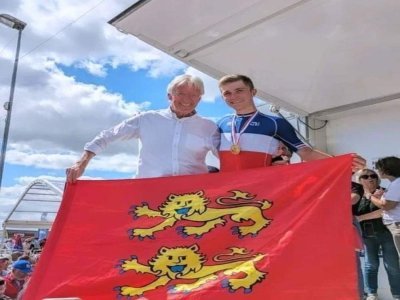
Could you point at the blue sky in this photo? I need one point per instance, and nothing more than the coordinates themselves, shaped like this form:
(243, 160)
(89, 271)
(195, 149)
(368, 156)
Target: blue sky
(78, 75)
(139, 85)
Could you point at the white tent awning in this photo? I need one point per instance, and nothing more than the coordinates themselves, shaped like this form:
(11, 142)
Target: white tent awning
(312, 57)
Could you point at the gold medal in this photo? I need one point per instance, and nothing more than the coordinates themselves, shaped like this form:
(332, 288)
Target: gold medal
(235, 149)
(235, 136)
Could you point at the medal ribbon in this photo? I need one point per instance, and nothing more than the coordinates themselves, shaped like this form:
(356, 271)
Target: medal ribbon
(236, 136)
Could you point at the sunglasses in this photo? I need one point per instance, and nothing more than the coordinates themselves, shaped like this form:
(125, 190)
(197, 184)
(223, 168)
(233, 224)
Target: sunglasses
(2, 281)
(372, 176)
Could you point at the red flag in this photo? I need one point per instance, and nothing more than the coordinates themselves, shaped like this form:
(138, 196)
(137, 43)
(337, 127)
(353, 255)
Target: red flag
(282, 232)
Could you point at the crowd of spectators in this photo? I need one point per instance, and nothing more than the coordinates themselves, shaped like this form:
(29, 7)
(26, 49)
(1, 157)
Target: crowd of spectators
(18, 258)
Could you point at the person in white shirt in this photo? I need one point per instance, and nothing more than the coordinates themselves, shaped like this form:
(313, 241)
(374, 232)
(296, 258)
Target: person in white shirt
(389, 201)
(172, 141)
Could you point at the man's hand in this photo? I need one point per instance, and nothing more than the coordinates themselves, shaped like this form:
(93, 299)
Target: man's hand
(74, 172)
(77, 169)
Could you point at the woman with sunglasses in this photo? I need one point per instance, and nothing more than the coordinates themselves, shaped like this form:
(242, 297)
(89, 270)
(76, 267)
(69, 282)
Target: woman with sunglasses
(375, 237)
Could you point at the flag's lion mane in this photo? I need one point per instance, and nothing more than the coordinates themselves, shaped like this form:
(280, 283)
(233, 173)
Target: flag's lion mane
(194, 202)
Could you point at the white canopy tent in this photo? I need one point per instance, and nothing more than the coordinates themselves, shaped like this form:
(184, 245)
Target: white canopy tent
(313, 57)
(335, 60)
(37, 206)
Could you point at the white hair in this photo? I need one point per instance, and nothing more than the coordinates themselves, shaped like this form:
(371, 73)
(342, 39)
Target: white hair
(186, 79)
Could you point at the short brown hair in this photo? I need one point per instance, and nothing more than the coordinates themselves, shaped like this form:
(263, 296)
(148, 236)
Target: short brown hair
(236, 77)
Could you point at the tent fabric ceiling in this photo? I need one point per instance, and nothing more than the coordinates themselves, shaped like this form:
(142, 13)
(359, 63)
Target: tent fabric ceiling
(37, 206)
(312, 57)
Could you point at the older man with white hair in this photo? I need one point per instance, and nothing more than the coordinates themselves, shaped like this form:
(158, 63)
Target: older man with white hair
(173, 141)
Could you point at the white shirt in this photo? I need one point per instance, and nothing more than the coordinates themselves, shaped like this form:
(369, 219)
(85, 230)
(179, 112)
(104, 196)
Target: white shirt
(168, 146)
(393, 194)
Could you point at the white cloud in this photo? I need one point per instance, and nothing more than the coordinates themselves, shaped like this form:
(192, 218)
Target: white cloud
(29, 158)
(93, 68)
(124, 163)
(88, 38)
(48, 100)
(55, 110)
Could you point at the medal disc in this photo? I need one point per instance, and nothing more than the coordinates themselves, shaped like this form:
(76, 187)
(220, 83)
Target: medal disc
(235, 149)
(235, 136)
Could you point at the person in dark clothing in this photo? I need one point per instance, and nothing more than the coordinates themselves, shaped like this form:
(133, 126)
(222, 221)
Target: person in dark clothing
(376, 236)
(356, 194)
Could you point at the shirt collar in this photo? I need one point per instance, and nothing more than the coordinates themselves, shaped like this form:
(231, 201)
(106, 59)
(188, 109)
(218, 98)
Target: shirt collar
(173, 115)
(247, 115)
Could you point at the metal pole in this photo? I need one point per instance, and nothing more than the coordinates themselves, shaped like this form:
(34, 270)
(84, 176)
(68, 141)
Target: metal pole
(8, 107)
(276, 110)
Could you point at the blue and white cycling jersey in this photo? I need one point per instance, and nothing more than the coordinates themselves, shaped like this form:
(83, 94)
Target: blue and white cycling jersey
(258, 143)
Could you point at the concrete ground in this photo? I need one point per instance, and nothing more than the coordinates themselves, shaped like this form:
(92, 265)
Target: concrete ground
(383, 284)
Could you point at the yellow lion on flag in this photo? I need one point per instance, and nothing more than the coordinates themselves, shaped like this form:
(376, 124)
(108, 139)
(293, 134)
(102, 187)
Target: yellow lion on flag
(187, 263)
(241, 206)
